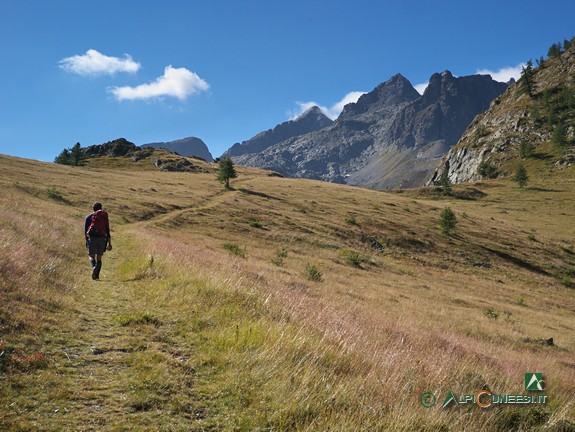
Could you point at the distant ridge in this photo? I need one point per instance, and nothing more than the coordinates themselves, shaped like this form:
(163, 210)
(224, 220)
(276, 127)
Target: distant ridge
(190, 146)
(311, 120)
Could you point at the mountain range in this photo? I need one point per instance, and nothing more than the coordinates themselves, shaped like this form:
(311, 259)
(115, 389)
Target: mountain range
(391, 137)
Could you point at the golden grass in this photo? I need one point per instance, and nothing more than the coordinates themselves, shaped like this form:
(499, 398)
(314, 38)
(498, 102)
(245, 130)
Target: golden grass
(196, 338)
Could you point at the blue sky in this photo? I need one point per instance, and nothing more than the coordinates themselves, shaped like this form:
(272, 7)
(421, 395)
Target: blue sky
(90, 72)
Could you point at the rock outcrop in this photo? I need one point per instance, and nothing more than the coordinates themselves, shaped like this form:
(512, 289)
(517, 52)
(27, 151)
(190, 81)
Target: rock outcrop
(116, 148)
(490, 146)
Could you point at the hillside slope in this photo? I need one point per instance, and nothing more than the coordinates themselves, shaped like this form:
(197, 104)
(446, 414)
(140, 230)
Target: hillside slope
(281, 304)
(519, 120)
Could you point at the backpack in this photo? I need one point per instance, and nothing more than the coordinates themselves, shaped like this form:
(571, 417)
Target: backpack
(99, 224)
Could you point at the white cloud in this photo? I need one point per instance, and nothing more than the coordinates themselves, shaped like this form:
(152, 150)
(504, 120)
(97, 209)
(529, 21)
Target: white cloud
(503, 74)
(176, 82)
(96, 63)
(421, 87)
(332, 112)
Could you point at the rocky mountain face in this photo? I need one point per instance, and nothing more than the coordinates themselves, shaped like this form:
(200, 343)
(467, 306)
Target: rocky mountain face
(537, 112)
(331, 153)
(191, 146)
(311, 120)
(115, 148)
(391, 137)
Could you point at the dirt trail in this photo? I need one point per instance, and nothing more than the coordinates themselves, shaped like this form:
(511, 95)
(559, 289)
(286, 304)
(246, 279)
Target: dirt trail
(88, 384)
(94, 364)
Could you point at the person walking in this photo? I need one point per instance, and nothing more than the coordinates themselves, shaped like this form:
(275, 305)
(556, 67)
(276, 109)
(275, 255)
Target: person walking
(98, 239)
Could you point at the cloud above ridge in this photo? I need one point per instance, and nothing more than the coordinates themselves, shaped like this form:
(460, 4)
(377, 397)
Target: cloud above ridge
(504, 74)
(95, 63)
(332, 112)
(179, 83)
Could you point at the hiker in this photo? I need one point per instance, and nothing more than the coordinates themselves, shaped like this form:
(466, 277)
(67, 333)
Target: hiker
(98, 240)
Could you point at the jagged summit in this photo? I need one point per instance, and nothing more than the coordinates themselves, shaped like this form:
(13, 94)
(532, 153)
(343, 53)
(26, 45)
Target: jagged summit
(395, 90)
(392, 136)
(313, 119)
(314, 110)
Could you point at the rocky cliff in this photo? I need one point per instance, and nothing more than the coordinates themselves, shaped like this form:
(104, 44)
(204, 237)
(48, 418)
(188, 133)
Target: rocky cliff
(535, 117)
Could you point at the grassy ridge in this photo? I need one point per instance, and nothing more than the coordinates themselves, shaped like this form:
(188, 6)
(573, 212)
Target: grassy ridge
(183, 333)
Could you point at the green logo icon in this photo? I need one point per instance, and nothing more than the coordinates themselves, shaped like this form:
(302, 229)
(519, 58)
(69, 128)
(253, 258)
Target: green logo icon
(449, 399)
(534, 381)
(427, 399)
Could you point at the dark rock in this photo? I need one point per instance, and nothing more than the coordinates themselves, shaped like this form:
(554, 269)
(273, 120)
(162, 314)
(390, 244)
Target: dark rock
(311, 120)
(191, 147)
(116, 148)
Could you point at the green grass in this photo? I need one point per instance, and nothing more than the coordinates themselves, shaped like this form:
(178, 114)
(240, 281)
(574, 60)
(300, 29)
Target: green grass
(178, 336)
(235, 249)
(353, 257)
(312, 273)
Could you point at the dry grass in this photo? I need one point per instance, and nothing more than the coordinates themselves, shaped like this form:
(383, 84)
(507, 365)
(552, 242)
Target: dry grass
(197, 338)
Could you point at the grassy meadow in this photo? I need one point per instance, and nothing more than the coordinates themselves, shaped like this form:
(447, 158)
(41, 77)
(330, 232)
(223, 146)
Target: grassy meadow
(281, 304)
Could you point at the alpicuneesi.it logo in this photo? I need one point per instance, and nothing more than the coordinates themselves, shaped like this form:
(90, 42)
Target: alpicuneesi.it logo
(485, 398)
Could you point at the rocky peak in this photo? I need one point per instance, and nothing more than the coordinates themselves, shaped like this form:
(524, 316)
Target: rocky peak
(311, 120)
(315, 117)
(392, 92)
(313, 111)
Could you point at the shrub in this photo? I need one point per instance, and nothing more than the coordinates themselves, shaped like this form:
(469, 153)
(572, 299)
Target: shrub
(526, 149)
(444, 181)
(521, 301)
(312, 273)
(256, 224)
(521, 175)
(559, 136)
(138, 318)
(15, 358)
(447, 220)
(280, 255)
(567, 281)
(352, 257)
(55, 194)
(487, 170)
(235, 249)
(351, 220)
(491, 313)
(226, 172)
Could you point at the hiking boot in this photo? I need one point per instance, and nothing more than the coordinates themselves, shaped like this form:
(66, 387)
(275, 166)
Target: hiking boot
(96, 271)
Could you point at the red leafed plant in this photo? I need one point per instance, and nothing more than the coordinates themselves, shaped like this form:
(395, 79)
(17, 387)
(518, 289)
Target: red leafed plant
(17, 359)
